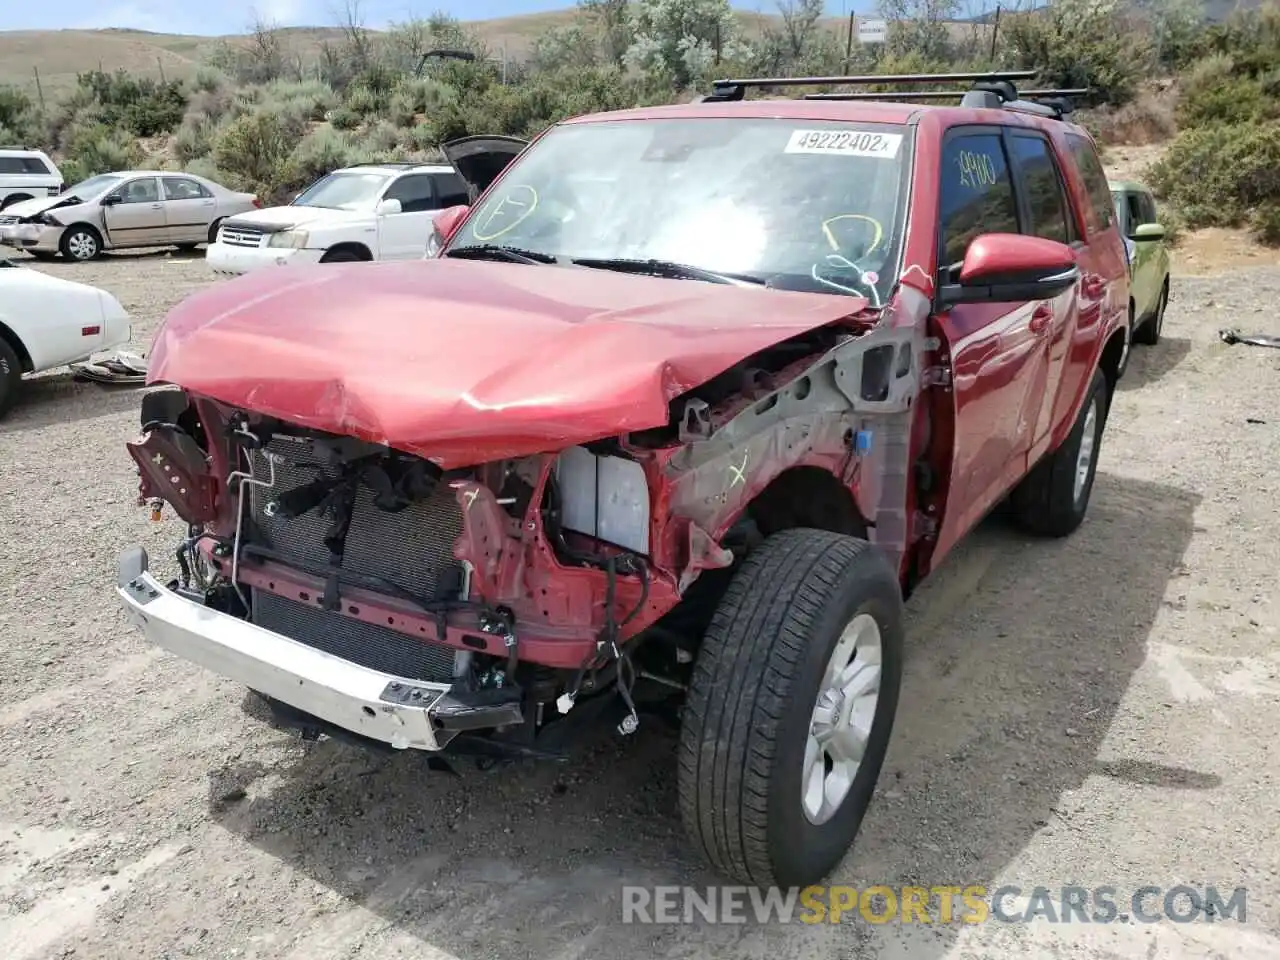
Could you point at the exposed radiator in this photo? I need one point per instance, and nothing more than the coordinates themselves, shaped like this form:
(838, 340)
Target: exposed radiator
(370, 646)
(412, 548)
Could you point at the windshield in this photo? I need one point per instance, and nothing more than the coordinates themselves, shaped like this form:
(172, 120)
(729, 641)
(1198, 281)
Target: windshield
(88, 189)
(802, 205)
(343, 191)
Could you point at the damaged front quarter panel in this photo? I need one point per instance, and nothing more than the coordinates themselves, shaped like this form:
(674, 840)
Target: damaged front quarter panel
(849, 413)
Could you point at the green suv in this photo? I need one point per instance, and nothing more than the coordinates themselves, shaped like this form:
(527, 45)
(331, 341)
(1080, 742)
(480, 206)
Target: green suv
(1148, 262)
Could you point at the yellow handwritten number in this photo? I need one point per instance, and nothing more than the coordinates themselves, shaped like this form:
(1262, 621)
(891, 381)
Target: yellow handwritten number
(977, 170)
(518, 204)
(875, 225)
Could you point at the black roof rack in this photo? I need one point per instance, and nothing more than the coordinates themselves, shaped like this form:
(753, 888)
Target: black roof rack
(992, 89)
(394, 164)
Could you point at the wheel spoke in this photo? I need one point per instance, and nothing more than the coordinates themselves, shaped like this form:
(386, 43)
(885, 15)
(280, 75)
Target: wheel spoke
(859, 678)
(847, 745)
(840, 724)
(814, 779)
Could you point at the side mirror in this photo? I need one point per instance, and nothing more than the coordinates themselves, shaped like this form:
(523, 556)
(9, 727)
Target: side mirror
(443, 227)
(387, 208)
(450, 219)
(1011, 268)
(1148, 231)
(112, 199)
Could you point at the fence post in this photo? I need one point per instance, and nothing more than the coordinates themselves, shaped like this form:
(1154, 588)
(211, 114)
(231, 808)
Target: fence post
(848, 47)
(995, 32)
(39, 87)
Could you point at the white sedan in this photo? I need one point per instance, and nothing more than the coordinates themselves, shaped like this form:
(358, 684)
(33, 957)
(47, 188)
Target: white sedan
(47, 322)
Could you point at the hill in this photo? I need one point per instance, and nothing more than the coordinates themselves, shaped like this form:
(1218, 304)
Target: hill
(58, 55)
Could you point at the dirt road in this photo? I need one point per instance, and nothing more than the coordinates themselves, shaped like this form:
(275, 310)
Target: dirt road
(1099, 711)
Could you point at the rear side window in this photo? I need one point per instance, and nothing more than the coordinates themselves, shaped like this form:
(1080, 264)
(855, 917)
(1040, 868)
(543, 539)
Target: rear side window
(1042, 183)
(1147, 205)
(180, 188)
(976, 194)
(1095, 180)
(23, 165)
(451, 189)
(414, 193)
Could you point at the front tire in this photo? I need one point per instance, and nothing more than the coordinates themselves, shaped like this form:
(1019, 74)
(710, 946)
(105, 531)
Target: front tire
(791, 708)
(1149, 333)
(1127, 349)
(342, 256)
(1052, 499)
(10, 377)
(80, 243)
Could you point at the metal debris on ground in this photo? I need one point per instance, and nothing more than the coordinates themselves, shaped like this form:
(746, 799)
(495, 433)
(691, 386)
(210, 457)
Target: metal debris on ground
(119, 369)
(1252, 339)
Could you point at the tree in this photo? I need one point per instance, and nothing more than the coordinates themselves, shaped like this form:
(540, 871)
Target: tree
(919, 26)
(680, 40)
(802, 45)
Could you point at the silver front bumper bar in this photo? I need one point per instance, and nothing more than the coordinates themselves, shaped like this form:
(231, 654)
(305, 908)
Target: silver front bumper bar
(369, 703)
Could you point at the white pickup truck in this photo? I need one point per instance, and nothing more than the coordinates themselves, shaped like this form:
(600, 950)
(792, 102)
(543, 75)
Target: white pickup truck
(47, 322)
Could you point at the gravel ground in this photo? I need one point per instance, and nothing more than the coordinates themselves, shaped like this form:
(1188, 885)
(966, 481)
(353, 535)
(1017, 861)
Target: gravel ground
(1101, 711)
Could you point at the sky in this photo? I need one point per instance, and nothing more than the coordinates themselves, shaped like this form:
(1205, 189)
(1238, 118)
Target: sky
(233, 16)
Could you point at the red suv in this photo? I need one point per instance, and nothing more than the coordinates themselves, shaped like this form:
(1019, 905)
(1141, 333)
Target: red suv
(683, 406)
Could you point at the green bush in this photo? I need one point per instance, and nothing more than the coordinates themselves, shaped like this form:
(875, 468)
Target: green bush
(140, 105)
(321, 151)
(310, 98)
(256, 145)
(97, 148)
(344, 118)
(1081, 43)
(20, 121)
(1224, 175)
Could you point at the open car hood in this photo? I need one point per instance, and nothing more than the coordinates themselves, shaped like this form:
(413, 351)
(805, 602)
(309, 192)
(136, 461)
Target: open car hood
(466, 361)
(480, 159)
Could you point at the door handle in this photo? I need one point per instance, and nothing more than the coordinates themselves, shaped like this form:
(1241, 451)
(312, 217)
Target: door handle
(156, 206)
(1040, 318)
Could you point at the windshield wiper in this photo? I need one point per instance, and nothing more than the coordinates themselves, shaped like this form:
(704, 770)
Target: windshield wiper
(496, 251)
(668, 268)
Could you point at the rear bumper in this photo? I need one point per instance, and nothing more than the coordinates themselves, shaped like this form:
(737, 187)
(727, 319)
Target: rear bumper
(404, 714)
(228, 260)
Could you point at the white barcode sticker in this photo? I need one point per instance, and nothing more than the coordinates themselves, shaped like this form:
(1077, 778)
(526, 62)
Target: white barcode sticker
(848, 143)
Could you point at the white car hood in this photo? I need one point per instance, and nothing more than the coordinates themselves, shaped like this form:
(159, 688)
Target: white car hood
(20, 277)
(47, 314)
(279, 218)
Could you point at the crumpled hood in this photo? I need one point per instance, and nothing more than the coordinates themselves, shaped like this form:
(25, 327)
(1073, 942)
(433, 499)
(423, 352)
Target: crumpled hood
(29, 208)
(466, 361)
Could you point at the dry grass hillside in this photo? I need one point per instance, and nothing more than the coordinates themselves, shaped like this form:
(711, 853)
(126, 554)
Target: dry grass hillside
(59, 55)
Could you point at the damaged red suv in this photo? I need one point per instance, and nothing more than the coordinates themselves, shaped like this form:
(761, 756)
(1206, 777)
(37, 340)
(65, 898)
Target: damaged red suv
(682, 407)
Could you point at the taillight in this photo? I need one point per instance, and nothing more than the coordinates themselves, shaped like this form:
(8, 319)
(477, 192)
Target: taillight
(257, 203)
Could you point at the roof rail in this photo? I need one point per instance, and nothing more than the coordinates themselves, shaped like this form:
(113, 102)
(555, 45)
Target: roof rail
(393, 164)
(724, 90)
(1057, 102)
(993, 90)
